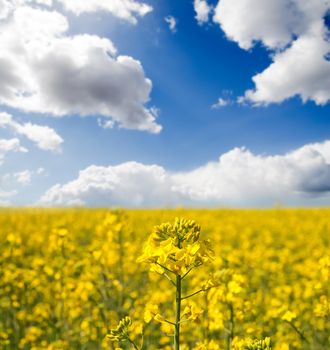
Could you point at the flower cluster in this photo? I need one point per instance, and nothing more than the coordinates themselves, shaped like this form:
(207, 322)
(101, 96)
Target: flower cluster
(176, 248)
(121, 332)
(258, 345)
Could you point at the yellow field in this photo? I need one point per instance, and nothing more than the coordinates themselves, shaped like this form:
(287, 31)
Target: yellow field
(68, 277)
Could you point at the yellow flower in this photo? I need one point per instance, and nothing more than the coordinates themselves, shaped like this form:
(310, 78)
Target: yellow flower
(289, 316)
(150, 312)
(159, 318)
(191, 312)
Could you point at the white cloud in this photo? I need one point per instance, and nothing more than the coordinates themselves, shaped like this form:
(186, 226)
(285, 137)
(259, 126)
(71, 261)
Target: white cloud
(299, 70)
(226, 99)
(7, 146)
(243, 177)
(5, 8)
(40, 171)
(129, 184)
(41, 2)
(222, 102)
(23, 177)
(272, 22)
(105, 123)
(203, 11)
(10, 182)
(295, 33)
(45, 137)
(127, 10)
(5, 197)
(172, 23)
(10, 145)
(238, 178)
(45, 70)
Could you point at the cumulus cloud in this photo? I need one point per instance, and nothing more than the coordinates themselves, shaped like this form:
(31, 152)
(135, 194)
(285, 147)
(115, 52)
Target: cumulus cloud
(295, 34)
(241, 176)
(299, 70)
(203, 11)
(10, 145)
(172, 23)
(45, 70)
(127, 10)
(275, 23)
(238, 178)
(128, 184)
(45, 137)
(23, 177)
(5, 7)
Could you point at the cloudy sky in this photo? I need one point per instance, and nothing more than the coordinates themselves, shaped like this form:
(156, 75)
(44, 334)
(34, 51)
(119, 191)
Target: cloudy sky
(151, 103)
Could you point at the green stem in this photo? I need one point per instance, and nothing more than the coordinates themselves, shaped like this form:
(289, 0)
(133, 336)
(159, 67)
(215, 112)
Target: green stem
(231, 327)
(187, 273)
(199, 291)
(191, 295)
(164, 267)
(177, 313)
(301, 335)
(170, 279)
(133, 344)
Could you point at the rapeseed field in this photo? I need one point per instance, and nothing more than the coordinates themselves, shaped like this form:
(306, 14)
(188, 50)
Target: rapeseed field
(119, 279)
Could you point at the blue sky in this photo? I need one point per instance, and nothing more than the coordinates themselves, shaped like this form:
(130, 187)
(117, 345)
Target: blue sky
(274, 147)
